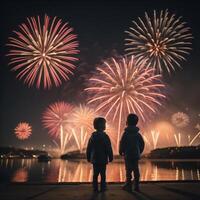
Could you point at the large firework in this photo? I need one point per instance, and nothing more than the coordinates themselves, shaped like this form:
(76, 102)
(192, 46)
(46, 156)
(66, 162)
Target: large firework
(43, 52)
(122, 87)
(162, 40)
(23, 130)
(81, 125)
(55, 119)
(180, 119)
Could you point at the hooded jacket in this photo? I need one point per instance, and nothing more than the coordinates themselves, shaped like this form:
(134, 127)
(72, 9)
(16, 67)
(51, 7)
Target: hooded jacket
(131, 144)
(99, 150)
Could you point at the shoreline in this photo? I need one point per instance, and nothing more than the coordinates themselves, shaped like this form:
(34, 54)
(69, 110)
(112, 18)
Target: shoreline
(109, 183)
(186, 190)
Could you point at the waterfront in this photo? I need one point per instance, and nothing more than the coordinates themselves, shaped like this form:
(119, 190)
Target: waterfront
(55, 171)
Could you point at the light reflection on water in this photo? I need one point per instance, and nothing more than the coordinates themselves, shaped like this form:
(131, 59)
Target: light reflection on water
(30, 170)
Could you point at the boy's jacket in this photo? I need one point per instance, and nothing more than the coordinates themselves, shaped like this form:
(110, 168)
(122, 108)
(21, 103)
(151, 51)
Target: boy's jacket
(99, 150)
(131, 144)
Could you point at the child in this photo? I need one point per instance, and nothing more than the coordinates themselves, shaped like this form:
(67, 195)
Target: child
(131, 146)
(99, 152)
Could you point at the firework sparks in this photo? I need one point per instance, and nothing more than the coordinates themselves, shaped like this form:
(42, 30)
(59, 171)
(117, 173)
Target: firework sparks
(178, 139)
(162, 40)
(180, 119)
(43, 53)
(194, 138)
(81, 125)
(23, 131)
(55, 118)
(189, 139)
(120, 88)
(155, 135)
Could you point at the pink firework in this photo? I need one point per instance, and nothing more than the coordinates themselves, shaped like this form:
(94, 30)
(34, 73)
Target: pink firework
(43, 52)
(55, 119)
(23, 131)
(122, 87)
(55, 116)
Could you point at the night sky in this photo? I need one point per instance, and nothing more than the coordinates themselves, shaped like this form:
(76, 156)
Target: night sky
(100, 28)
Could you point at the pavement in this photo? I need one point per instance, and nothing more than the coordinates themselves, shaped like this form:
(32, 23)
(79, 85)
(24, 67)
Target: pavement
(83, 191)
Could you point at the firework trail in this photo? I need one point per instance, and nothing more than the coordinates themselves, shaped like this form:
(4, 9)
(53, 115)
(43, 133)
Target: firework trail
(162, 40)
(122, 87)
(180, 119)
(23, 131)
(153, 140)
(189, 139)
(178, 139)
(55, 119)
(194, 138)
(43, 52)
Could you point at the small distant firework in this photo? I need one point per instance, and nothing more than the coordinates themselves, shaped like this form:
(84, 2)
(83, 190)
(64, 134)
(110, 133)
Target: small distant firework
(162, 40)
(180, 119)
(23, 131)
(122, 87)
(43, 52)
(55, 118)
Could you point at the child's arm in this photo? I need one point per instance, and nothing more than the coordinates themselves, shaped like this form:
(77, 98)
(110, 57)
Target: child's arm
(141, 143)
(88, 150)
(122, 145)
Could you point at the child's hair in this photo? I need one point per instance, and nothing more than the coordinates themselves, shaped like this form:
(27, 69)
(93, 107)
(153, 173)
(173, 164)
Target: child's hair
(99, 123)
(132, 119)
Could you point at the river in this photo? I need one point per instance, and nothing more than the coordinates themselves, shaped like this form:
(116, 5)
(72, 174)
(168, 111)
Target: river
(32, 171)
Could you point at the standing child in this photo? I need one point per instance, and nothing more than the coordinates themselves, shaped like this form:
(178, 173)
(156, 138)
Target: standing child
(99, 152)
(131, 146)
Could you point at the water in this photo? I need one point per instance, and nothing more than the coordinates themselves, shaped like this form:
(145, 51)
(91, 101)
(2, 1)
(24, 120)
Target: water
(30, 170)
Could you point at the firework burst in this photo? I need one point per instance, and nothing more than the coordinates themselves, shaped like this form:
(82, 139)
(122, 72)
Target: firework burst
(55, 119)
(23, 131)
(81, 125)
(163, 40)
(120, 88)
(43, 52)
(180, 119)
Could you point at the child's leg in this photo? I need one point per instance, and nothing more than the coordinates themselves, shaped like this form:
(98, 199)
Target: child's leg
(136, 175)
(128, 173)
(103, 177)
(95, 177)
(128, 183)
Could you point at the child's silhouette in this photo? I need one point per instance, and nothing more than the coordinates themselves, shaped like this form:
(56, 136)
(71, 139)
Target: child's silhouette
(131, 146)
(99, 152)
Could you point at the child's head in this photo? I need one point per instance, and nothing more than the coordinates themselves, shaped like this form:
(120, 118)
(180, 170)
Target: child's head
(99, 124)
(132, 119)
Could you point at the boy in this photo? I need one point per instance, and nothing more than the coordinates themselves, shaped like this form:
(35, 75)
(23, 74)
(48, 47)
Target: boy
(99, 152)
(131, 146)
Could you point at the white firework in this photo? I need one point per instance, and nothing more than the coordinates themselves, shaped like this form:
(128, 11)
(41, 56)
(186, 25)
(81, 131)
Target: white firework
(180, 119)
(162, 40)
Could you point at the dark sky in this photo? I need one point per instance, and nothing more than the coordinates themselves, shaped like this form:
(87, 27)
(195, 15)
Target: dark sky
(100, 28)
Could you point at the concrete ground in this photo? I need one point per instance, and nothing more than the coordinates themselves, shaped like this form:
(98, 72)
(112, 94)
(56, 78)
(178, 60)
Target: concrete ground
(149, 191)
